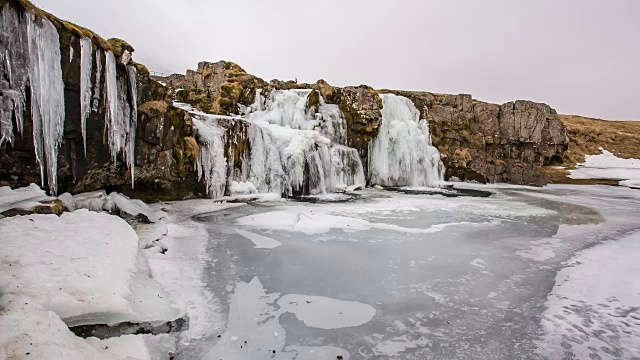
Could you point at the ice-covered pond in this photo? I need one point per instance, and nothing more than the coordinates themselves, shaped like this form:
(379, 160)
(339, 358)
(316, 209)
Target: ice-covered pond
(524, 273)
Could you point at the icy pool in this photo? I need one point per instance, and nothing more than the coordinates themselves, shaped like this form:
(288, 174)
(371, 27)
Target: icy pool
(525, 273)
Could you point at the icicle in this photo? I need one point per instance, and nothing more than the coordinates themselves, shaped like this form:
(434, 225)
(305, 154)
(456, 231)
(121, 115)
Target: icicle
(132, 74)
(86, 61)
(402, 154)
(121, 118)
(47, 95)
(14, 52)
(96, 88)
(70, 53)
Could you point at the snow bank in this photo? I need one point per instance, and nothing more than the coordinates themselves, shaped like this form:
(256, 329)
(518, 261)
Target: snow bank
(114, 203)
(29, 331)
(75, 264)
(242, 188)
(609, 166)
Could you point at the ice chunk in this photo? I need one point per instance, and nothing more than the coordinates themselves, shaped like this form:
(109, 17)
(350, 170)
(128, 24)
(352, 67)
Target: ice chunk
(326, 313)
(92, 201)
(242, 188)
(260, 241)
(67, 200)
(402, 154)
(86, 62)
(21, 198)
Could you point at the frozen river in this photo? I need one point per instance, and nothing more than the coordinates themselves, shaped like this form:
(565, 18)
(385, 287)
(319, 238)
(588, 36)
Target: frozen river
(524, 273)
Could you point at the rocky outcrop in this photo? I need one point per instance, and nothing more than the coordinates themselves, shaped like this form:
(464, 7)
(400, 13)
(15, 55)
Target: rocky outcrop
(489, 142)
(164, 146)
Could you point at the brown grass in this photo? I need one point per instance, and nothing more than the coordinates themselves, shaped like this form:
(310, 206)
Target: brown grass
(586, 136)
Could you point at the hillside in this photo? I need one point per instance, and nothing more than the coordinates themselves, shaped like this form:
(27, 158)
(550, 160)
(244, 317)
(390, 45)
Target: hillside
(587, 135)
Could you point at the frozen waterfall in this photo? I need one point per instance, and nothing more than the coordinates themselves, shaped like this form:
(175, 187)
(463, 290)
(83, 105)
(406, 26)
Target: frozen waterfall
(47, 95)
(402, 154)
(294, 148)
(86, 60)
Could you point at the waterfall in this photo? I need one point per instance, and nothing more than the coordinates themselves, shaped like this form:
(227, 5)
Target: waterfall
(346, 168)
(47, 95)
(132, 74)
(86, 60)
(402, 154)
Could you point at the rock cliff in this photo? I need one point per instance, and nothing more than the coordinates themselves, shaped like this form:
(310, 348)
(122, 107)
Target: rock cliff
(158, 147)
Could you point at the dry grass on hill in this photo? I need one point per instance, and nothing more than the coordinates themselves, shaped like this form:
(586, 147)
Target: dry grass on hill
(586, 135)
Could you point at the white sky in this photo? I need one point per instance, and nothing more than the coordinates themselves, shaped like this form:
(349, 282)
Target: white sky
(579, 56)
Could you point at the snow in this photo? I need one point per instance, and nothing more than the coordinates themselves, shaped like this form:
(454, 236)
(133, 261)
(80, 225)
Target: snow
(86, 62)
(47, 95)
(402, 154)
(260, 241)
(42, 259)
(597, 303)
(29, 331)
(21, 198)
(609, 166)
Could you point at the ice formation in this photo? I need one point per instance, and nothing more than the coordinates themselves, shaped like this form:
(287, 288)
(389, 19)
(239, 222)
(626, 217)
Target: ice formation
(13, 66)
(294, 148)
(47, 95)
(121, 117)
(212, 164)
(86, 60)
(402, 154)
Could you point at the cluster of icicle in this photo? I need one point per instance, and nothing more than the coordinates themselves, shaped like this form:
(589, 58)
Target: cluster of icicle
(293, 148)
(402, 153)
(38, 65)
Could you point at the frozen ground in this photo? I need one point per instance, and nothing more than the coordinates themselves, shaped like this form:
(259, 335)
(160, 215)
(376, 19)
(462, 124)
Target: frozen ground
(525, 273)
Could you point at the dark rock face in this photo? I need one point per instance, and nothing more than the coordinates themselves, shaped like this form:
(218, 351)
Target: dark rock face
(164, 170)
(492, 143)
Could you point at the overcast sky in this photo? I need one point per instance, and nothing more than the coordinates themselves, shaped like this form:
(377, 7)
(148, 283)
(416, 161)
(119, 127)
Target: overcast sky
(579, 56)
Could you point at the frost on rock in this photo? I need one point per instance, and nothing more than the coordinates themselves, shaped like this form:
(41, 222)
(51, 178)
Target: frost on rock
(402, 154)
(86, 61)
(121, 116)
(47, 95)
